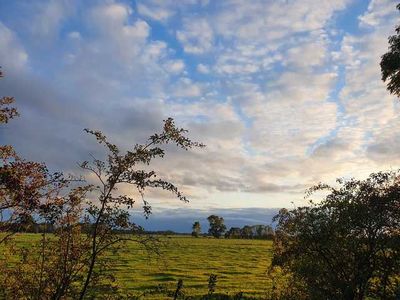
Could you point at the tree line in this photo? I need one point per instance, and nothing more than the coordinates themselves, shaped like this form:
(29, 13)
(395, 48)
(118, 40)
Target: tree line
(218, 229)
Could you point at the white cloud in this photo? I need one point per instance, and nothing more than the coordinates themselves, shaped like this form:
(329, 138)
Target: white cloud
(309, 54)
(14, 57)
(157, 13)
(47, 21)
(196, 36)
(186, 88)
(292, 115)
(378, 11)
(74, 35)
(174, 66)
(264, 22)
(112, 19)
(203, 69)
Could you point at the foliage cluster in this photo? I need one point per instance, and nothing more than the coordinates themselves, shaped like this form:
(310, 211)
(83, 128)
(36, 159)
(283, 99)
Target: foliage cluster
(390, 63)
(348, 245)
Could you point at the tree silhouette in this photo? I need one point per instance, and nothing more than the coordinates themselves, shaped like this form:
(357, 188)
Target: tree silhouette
(390, 63)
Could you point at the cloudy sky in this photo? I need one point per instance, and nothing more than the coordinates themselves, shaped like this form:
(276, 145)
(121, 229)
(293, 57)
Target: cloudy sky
(284, 93)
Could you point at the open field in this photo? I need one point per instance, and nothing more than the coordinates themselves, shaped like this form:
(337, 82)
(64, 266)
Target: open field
(239, 264)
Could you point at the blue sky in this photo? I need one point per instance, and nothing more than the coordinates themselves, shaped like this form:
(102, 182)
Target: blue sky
(285, 94)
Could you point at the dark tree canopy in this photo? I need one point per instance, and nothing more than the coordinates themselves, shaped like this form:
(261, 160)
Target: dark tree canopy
(217, 226)
(390, 63)
(348, 245)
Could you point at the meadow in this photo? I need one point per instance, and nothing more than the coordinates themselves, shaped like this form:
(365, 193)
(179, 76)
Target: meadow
(240, 266)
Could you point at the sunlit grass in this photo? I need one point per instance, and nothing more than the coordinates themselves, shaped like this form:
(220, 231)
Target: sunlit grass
(239, 264)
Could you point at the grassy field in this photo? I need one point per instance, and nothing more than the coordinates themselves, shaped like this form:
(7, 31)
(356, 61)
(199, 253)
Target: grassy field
(239, 264)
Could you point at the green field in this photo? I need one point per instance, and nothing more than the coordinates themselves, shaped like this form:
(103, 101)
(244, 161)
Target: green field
(239, 264)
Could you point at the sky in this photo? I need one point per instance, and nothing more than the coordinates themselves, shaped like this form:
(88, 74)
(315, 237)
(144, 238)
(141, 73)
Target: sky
(284, 93)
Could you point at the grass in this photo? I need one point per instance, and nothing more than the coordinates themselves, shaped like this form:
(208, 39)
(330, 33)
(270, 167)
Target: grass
(239, 264)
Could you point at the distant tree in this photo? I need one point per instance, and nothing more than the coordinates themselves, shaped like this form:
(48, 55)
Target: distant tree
(251, 232)
(390, 63)
(233, 233)
(348, 245)
(27, 223)
(196, 229)
(217, 226)
(247, 232)
(269, 232)
(263, 231)
(259, 230)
